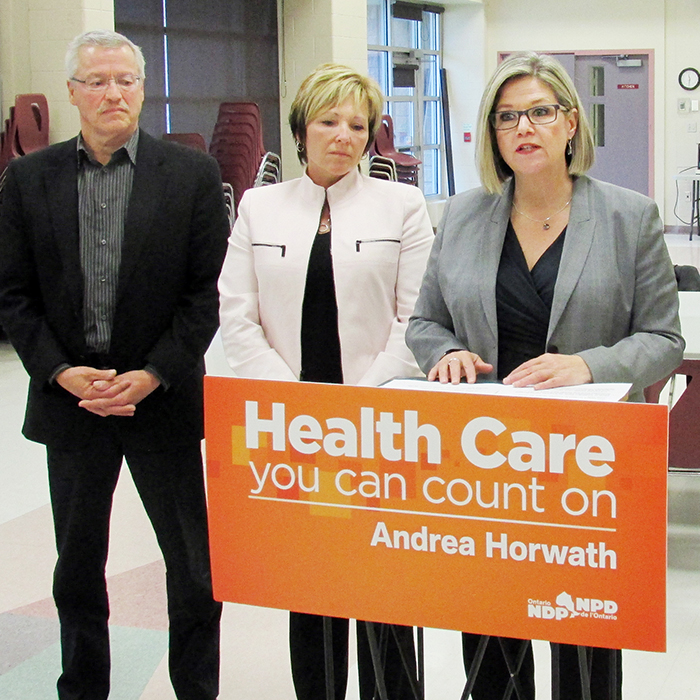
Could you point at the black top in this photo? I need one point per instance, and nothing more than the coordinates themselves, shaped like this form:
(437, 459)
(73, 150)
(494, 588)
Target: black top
(524, 301)
(320, 343)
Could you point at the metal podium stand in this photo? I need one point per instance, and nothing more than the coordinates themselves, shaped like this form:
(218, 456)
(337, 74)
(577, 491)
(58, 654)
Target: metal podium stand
(514, 664)
(375, 644)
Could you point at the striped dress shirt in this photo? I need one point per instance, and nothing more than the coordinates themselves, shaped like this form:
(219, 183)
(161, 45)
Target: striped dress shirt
(103, 199)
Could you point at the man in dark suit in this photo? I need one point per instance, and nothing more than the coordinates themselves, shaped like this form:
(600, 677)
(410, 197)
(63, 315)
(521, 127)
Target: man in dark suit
(110, 249)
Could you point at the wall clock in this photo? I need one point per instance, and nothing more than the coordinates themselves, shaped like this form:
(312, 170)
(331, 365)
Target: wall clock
(689, 78)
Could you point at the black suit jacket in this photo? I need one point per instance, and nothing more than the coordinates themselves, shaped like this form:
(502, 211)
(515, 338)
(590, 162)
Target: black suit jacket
(167, 303)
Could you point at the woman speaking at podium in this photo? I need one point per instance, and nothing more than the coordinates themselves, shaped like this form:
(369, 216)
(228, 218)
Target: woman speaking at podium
(545, 277)
(319, 282)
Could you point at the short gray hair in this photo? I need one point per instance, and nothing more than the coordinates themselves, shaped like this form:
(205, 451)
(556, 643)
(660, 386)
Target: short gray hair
(107, 39)
(493, 170)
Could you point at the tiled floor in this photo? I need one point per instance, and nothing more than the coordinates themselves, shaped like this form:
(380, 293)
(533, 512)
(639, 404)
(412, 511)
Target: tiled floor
(255, 659)
(682, 250)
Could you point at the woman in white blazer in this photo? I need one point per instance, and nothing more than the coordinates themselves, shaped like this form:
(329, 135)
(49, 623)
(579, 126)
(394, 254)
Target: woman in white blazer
(544, 277)
(319, 282)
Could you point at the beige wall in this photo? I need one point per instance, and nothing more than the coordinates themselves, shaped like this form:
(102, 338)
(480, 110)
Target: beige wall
(669, 27)
(34, 33)
(15, 72)
(681, 131)
(33, 36)
(314, 32)
(463, 56)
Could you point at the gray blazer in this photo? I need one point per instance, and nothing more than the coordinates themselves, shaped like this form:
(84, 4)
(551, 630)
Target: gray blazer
(615, 300)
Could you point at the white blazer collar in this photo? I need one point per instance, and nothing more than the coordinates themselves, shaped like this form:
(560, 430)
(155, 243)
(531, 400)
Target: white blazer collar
(342, 190)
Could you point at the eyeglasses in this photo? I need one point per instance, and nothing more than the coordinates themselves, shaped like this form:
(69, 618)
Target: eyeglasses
(509, 119)
(126, 82)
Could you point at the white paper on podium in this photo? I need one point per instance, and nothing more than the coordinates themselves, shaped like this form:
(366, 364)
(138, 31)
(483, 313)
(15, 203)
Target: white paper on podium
(582, 392)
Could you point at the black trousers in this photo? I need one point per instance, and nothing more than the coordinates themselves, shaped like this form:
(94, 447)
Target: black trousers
(493, 675)
(308, 664)
(171, 486)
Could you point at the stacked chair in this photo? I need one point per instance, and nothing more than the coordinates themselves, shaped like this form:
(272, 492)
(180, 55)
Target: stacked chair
(192, 140)
(196, 141)
(26, 130)
(237, 145)
(382, 168)
(406, 166)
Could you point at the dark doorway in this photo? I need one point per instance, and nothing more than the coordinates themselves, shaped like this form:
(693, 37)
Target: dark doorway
(199, 54)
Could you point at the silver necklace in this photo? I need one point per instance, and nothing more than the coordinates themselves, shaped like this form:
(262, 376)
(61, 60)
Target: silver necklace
(544, 222)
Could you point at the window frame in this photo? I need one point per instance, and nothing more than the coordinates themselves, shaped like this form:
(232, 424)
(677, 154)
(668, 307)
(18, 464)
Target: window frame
(418, 145)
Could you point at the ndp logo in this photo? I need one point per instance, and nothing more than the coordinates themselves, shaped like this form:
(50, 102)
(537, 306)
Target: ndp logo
(566, 607)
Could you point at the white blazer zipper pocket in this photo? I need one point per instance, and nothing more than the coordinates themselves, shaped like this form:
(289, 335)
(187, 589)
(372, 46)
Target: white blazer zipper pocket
(361, 241)
(283, 248)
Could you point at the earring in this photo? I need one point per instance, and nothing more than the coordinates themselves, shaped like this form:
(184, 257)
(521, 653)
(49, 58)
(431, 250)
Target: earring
(300, 147)
(569, 149)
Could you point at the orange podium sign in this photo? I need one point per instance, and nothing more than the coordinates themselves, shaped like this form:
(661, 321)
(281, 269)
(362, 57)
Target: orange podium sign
(520, 517)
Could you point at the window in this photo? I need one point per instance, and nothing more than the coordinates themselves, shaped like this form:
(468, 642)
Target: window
(405, 57)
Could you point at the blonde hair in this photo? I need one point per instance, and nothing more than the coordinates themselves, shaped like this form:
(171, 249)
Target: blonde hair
(493, 170)
(327, 86)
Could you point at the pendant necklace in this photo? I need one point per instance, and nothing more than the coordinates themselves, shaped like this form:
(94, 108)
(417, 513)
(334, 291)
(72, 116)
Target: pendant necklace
(544, 222)
(324, 225)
